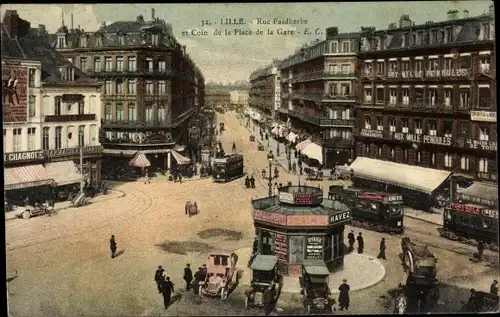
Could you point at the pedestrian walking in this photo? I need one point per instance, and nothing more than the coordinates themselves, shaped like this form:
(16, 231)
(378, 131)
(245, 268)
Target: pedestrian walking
(351, 239)
(252, 181)
(344, 295)
(300, 170)
(247, 182)
(494, 287)
(197, 278)
(204, 272)
(112, 246)
(167, 288)
(289, 166)
(234, 147)
(188, 276)
(159, 277)
(294, 167)
(147, 181)
(361, 243)
(180, 177)
(382, 248)
(480, 250)
(195, 169)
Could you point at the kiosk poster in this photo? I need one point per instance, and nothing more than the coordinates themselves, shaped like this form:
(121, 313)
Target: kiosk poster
(14, 93)
(314, 248)
(281, 247)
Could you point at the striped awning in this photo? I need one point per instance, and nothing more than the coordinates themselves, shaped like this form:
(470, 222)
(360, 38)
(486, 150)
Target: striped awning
(25, 177)
(63, 173)
(140, 160)
(302, 145)
(181, 159)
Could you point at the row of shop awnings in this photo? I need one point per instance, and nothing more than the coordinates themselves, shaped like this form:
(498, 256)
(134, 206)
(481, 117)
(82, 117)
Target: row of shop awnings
(278, 131)
(56, 174)
(311, 150)
(140, 159)
(253, 115)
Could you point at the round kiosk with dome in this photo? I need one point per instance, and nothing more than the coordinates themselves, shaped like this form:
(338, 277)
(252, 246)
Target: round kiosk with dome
(300, 224)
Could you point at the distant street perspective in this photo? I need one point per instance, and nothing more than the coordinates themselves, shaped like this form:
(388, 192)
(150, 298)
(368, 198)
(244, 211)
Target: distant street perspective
(354, 175)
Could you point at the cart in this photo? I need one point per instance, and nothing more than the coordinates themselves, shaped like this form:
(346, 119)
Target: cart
(252, 138)
(221, 275)
(316, 295)
(260, 147)
(265, 276)
(33, 211)
(191, 208)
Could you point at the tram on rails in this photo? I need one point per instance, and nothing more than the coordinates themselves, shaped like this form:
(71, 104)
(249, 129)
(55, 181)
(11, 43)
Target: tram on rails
(470, 223)
(382, 212)
(227, 168)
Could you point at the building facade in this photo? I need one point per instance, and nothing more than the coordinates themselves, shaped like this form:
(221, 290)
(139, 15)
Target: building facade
(318, 86)
(217, 98)
(51, 112)
(427, 94)
(265, 90)
(150, 87)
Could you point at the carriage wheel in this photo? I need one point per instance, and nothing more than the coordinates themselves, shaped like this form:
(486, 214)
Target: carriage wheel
(26, 214)
(247, 302)
(223, 294)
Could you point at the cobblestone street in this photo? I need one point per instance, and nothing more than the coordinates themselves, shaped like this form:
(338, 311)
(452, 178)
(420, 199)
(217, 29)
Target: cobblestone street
(63, 264)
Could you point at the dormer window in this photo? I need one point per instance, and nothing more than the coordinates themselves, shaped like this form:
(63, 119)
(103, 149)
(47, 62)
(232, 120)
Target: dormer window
(155, 39)
(98, 41)
(67, 73)
(121, 39)
(83, 41)
(61, 41)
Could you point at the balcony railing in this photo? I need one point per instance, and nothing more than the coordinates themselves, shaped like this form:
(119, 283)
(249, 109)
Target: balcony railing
(137, 72)
(338, 74)
(70, 117)
(337, 142)
(339, 97)
(446, 108)
(324, 122)
(308, 96)
(320, 121)
(113, 123)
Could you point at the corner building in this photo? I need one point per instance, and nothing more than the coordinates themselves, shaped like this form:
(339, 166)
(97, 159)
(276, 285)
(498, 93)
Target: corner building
(318, 87)
(264, 95)
(427, 95)
(149, 87)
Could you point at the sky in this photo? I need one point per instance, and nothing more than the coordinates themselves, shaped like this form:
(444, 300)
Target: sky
(227, 58)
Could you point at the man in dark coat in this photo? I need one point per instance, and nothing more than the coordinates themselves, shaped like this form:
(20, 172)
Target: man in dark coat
(361, 243)
(188, 276)
(255, 246)
(294, 167)
(204, 272)
(197, 278)
(344, 295)
(382, 248)
(351, 239)
(252, 181)
(159, 277)
(167, 288)
(247, 182)
(494, 287)
(112, 246)
(480, 250)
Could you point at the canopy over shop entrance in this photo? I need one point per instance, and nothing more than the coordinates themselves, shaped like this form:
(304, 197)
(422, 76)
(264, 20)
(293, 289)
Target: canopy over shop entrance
(26, 176)
(181, 159)
(140, 160)
(418, 178)
(63, 173)
(313, 151)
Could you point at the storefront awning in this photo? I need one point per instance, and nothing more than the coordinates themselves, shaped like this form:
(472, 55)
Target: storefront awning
(181, 159)
(302, 145)
(418, 178)
(140, 160)
(313, 151)
(119, 152)
(292, 137)
(481, 191)
(26, 177)
(63, 173)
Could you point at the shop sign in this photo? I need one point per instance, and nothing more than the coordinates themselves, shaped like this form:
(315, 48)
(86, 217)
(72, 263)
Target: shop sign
(286, 198)
(14, 93)
(437, 140)
(340, 217)
(492, 213)
(281, 247)
(94, 149)
(477, 200)
(482, 145)
(270, 217)
(487, 176)
(314, 248)
(484, 116)
(22, 156)
(306, 221)
(371, 133)
(409, 137)
(465, 208)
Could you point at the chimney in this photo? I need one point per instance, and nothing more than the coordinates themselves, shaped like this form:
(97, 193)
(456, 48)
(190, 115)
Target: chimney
(452, 14)
(41, 29)
(466, 14)
(11, 22)
(332, 32)
(103, 24)
(491, 9)
(72, 28)
(152, 14)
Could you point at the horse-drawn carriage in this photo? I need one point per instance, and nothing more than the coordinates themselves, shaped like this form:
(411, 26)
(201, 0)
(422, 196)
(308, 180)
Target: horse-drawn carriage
(221, 275)
(191, 208)
(342, 173)
(265, 277)
(260, 147)
(252, 138)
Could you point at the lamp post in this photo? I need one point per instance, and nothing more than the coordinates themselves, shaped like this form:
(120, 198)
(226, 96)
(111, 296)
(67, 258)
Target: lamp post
(270, 158)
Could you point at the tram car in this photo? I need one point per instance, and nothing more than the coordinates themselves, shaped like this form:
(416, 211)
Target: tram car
(227, 168)
(382, 212)
(471, 223)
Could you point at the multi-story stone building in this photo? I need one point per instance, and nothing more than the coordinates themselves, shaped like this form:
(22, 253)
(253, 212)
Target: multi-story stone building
(51, 114)
(427, 94)
(217, 98)
(318, 93)
(149, 87)
(265, 91)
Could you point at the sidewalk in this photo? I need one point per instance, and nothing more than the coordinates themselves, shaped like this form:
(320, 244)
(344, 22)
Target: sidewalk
(429, 217)
(63, 205)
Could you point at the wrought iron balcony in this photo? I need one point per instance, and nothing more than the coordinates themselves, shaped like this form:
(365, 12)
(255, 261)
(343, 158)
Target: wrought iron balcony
(325, 122)
(338, 74)
(70, 117)
(320, 121)
(155, 123)
(426, 107)
(337, 142)
(350, 98)
(308, 96)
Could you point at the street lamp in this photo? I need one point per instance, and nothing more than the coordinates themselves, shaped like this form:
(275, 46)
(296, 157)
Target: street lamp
(270, 158)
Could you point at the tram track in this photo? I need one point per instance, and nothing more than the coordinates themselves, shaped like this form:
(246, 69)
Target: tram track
(148, 202)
